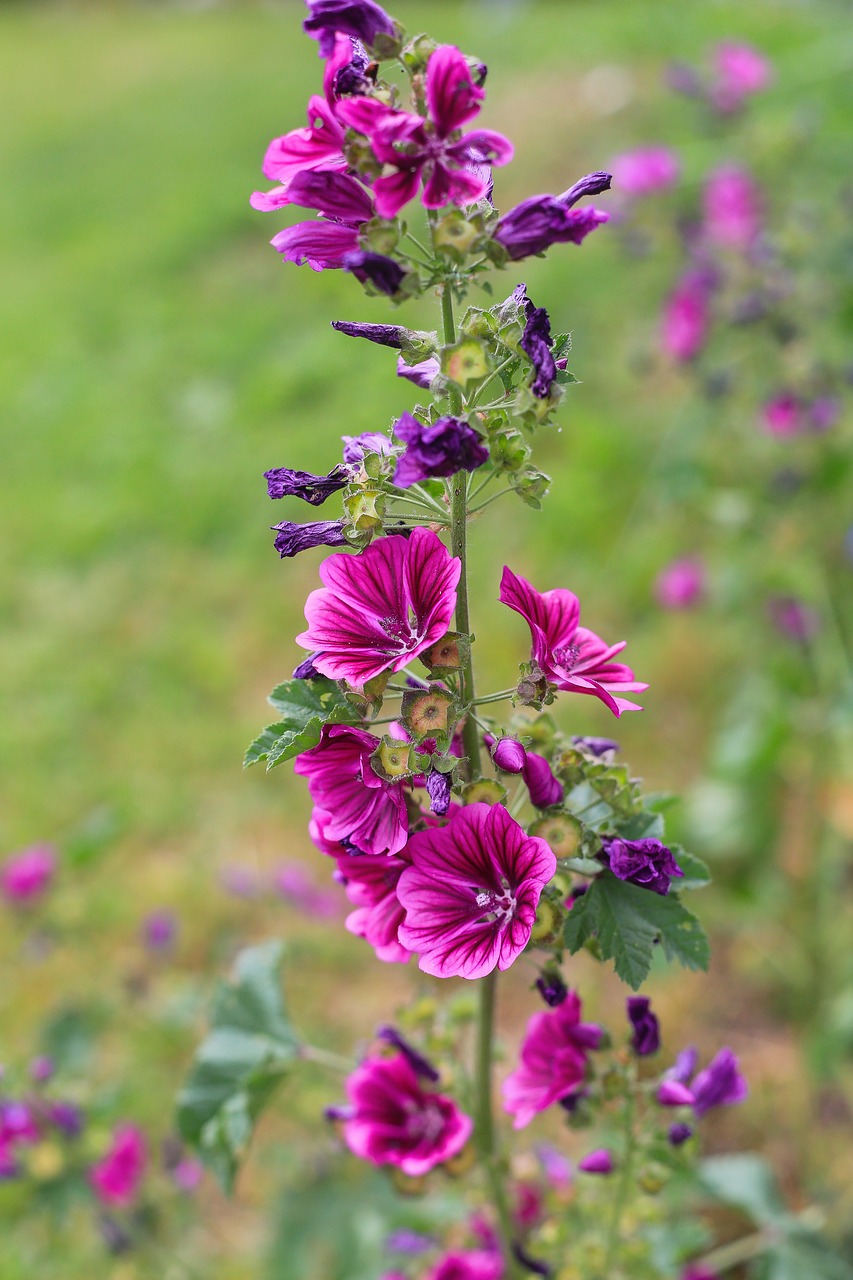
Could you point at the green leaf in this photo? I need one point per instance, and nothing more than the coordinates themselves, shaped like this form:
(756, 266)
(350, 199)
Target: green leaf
(746, 1181)
(247, 1051)
(304, 706)
(627, 921)
(696, 873)
(805, 1255)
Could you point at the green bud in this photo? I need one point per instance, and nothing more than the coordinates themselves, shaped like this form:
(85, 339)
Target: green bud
(484, 791)
(416, 54)
(417, 345)
(386, 47)
(561, 831)
(360, 157)
(531, 486)
(508, 449)
(477, 323)
(652, 1178)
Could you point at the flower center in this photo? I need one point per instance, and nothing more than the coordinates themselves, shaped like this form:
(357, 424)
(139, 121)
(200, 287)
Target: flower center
(423, 1123)
(497, 907)
(567, 656)
(402, 632)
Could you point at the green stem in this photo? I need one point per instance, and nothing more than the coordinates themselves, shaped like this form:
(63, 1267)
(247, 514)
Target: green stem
(484, 1130)
(614, 1236)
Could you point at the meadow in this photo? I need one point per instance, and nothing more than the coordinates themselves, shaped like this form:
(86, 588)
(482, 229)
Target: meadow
(155, 359)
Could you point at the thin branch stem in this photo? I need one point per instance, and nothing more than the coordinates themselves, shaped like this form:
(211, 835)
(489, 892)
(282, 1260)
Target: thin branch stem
(475, 511)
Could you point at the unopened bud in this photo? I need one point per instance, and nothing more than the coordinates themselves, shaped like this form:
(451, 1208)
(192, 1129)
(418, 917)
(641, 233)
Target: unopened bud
(509, 755)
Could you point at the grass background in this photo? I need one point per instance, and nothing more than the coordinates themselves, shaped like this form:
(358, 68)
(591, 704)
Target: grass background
(156, 358)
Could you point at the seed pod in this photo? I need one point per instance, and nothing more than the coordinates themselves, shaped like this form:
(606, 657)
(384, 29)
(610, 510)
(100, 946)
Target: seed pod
(561, 831)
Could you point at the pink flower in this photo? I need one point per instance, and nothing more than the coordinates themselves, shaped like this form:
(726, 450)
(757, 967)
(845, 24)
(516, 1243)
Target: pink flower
(453, 168)
(783, 416)
(553, 1060)
(685, 320)
(187, 1174)
(732, 204)
(680, 584)
(471, 892)
(379, 609)
(468, 1264)
(395, 1121)
(25, 876)
(598, 1161)
(357, 805)
(371, 886)
(116, 1177)
(646, 170)
(17, 1124)
(740, 72)
(571, 657)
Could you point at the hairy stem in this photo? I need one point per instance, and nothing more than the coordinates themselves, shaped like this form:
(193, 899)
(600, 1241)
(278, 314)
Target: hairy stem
(614, 1235)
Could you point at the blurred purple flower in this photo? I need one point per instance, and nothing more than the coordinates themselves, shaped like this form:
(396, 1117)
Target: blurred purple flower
(732, 208)
(793, 618)
(67, 1118)
(363, 20)
(187, 1175)
(25, 876)
(296, 886)
(783, 416)
(375, 269)
(240, 881)
(159, 930)
(824, 412)
(686, 319)
(739, 72)
(599, 1161)
(720, 1084)
(42, 1069)
(645, 1038)
(678, 1134)
(645, 170)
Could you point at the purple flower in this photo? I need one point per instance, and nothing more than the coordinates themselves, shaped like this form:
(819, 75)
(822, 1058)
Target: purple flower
(297, 888)
(591, 184)
(553, 1060)
(187, 1175)
(599, 1161)
(328, 241)
(413, 1243)
(385, 335)
(672, 1093)
(571, 657)
(681, 583)
(325, 246)
(335, 196)
(536, 344)
(555, 1166)
(371, 886)
(551, 988)
(379, 609)
(318, 146)
(542, 221)
(824, 412)
(394, 1120)
(430, 151)
(420, 1065)
(732, 205)
(686, 319)
(678, 1134)
(793, 618)
(67, 1118)
(783, 416)
(438, 449)
(698, 1273)
(421, 374)
(468, 1264)
(292, 538)
(595, 746)
(438, 786)
(282, 482)
(383, 273)
(645, 170)
(159, 930)
(646, 863)
(25, 876)
(471, 893)
(545, 789)
(117, 1177)
(720, 1084)
(362, 19)
(355, 804)
(355, 447)
(306, 670)
(17, 1123)
(645, 1039)
(42, 1069)
(740, 71)
(509, 755)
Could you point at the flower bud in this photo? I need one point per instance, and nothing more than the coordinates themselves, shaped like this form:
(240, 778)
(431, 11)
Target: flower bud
(509, 755)
(652, 1179)
(551, 988)
(561, 831)
(600, 1161)
(679, 1134)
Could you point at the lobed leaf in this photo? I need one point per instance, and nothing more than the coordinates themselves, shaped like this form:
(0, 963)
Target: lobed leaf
(304, 706)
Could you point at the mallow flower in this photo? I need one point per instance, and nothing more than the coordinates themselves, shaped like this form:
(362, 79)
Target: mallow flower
(371, 886)
(739, 72)
(394, 1119)
(648, 169)
(452, 167)
(553, 1060)
(327, 242)
(379, 609)
(732, 208)
(686, 318)
(363, 20)
(354, 804)
(469, 1264)
(541, 221)
(291, 538)
(681, 583)
(283, 482)
(383, 273)
(116, 1178)
(645, 1028)
(571, 657)
(647, 863)
(438, 448)
(471, 893)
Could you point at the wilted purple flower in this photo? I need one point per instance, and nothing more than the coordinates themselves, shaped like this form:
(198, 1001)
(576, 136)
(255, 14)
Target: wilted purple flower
(67, 1118)
(595, 746)
(364, 20)
(421, 374)
(419, 1064)
(306, 670)
(678, 1134)
(437, 449)
(509, 755)
(551, 988)
(355, 447)
(591, 184)
(720, 1084)
(536, 345)
(42, 1069)
(681, 583)
(646, 863)
(292, 538)
(645, 1038)
(383, 273)
(542, 221)
(732, 207)
(645, 170)
(793, 618)
(545, 789)
(599, 1161)
(282, 482)
(159, 930)
(384, 335)
(438, 786)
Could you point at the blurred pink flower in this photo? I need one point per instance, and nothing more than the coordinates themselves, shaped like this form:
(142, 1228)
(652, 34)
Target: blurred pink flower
(732, 208)
(187, 1174)
(296, 885)
(739, 72)
(686, 319)
(552, 1062)
(25, 876)
(371, 886)
(680, 584)
(469, 1264)
(599, 1161)
(645, 170)
(117, 1176)
(783, 416)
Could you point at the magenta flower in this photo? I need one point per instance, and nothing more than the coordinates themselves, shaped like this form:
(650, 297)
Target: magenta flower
(720, 1084)
(544, 788)
(430, 151)
(379, 609)
(25, 876)
(394, 1120)
(325, 246)
(17, 1124)
(439, 448)
(672, 1093)
(317, 146)
(694, 1272)
(508, 754)
(357, 805)
(783, 416)
(740, 71)
(572, 658)
(468, 1264)
(159, 930)
(542, 221)
(680, 584)
(686, 319)
(187, 1175)
(117, 1176)
(732, 205)
(645, 170)
(600, 1161)
(553, 1060)
(793, 618)
(371, 886)
(471, 892)
(361, 19)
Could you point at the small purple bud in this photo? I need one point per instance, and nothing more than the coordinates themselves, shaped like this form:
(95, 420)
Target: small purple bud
(671, 1093)
(600, 1161)
(416, 1060)
(67, 1118)
(595, 746)
(679, 1134)
(292, 538)
(591, 185)
(383, 273)
(552, 989)
(645, 1039)
(355, 447)
(344, 1112)
(438, 786)
(41, 1069)
(385, 335)
(306, 669)
(509, 755)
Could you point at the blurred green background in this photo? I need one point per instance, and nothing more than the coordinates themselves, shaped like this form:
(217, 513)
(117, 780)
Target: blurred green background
(155, 358)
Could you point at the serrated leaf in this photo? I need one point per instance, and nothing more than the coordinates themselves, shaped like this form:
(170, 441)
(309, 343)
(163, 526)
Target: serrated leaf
(304, 706)
(627, 921)
(247, 1051)
(696, 872)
